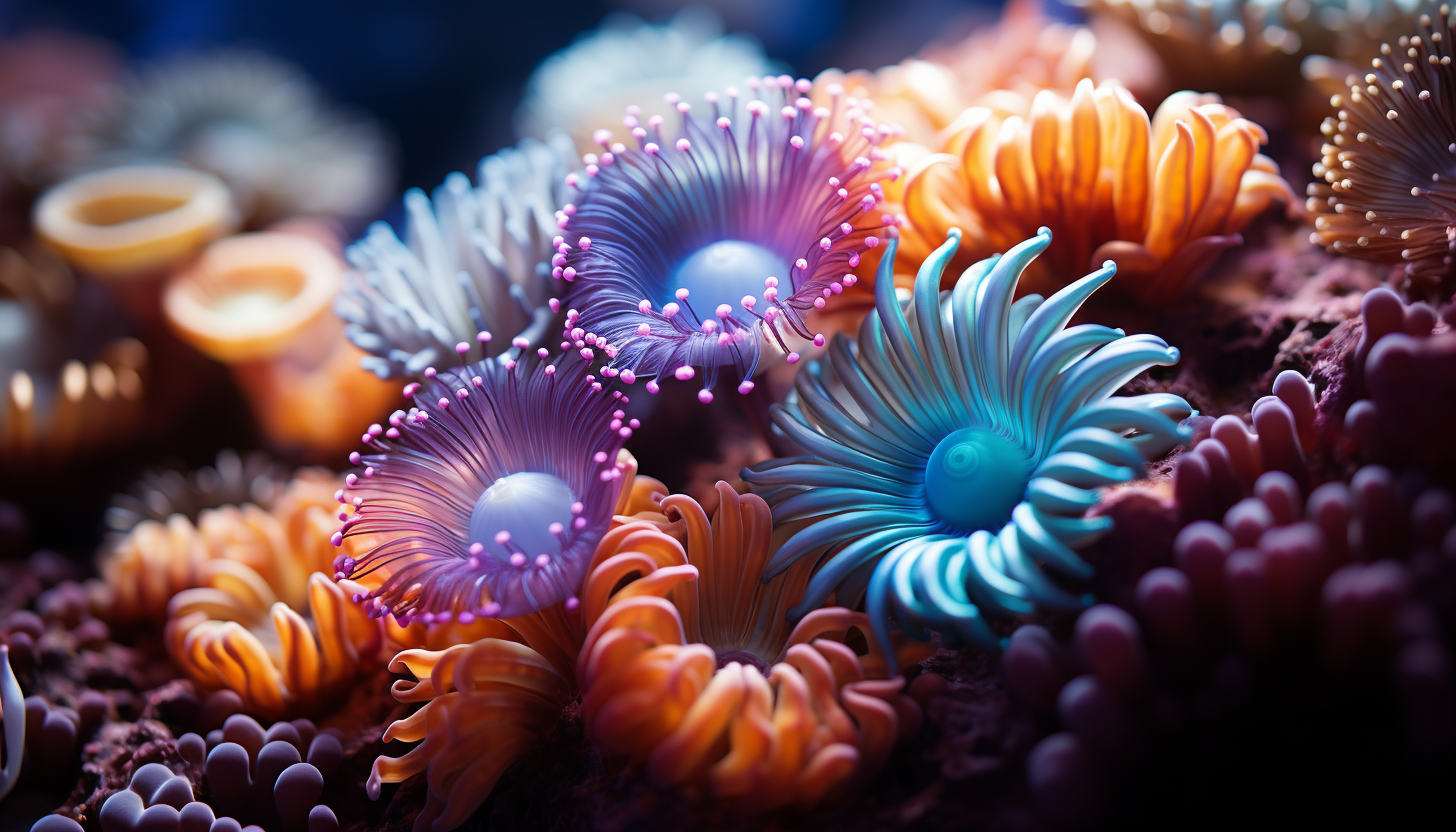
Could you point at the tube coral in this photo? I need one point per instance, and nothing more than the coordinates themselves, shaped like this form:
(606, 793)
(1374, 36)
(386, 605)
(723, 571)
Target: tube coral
(1382, 191)
(134, 221)
(742, 200)
(489, 495)
(261, 303)
(948, 460)
(475, 262)
(74, 382)
(255, 122)
(626, 61)
(686, 664)
(1161, 197)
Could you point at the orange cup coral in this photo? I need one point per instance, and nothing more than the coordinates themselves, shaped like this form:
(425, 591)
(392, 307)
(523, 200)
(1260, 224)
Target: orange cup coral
(1160, 196)
(134, 221)
(262, 304)
(687, 666)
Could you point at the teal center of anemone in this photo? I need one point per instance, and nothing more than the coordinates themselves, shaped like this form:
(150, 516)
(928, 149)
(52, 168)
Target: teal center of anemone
(525, 505)
(726, 271)
(974, 478)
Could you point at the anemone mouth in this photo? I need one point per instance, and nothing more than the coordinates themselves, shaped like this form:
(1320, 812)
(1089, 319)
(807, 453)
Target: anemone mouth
(974, 478)
(757, 216)
(726, 272)
(523, 516)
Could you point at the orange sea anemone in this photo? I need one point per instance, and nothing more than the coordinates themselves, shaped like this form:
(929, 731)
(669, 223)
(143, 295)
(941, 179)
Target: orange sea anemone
(262, 304)
(142, 569)
(264, 618)
(1159, 196)
(686, 666)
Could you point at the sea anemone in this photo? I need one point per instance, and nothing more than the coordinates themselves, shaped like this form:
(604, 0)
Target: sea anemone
(488, 497)
(950, 454)
(74, 382)
(1254, 47)
(1380, 193)
(626, 61)
(674, 638)
(257, 123)
(135, 221)
(739, 202)
(475, 262)
(243, 626)
(693, 669)
(1161, 197)
(261, 303)
(154, 560)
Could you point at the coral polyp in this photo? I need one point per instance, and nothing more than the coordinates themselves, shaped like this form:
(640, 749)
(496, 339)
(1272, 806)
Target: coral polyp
(1161, 196)
(488, 497)
(473, 260)
(950, 454)
(1383, 189)
(702, 246)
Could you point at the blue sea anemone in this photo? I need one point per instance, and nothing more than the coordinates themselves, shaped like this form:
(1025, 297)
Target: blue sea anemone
(688, 253)
(950, 453)
(474, 262)
(488, 497)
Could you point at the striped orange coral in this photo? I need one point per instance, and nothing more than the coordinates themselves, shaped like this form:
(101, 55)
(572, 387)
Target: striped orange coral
(1159, 196)
(685, 664)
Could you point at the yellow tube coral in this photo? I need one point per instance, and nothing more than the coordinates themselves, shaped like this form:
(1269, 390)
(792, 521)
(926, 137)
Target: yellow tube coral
(687, 666)
(262, 303)
(134, 221)
(1159, 196)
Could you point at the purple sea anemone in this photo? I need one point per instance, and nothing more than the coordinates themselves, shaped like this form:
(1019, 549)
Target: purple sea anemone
(691, 252)
(488, 497)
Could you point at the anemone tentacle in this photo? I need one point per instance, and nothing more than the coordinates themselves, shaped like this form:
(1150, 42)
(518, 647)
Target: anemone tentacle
(473, 261)
(750, 204)
(953, 449)
(486, 498)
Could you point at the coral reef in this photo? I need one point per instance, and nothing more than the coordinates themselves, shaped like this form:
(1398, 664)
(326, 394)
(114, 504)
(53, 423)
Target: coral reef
(981, 433)
(475, 262)
(744, 198)
(1161, 196)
